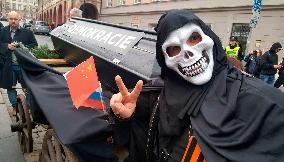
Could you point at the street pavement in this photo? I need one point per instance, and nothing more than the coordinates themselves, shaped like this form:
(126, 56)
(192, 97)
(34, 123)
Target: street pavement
(9, 143)
(37, 133)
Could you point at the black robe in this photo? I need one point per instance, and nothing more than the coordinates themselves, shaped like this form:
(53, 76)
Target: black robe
(234, 117)
(84, 131)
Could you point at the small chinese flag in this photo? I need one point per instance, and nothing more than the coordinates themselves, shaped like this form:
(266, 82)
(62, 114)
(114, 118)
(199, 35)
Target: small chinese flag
(84, 85)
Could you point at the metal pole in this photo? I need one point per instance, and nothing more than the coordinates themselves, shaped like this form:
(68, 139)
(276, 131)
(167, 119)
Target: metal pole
(42, 10)
(1, 8)
(84, 7)
(248, 41)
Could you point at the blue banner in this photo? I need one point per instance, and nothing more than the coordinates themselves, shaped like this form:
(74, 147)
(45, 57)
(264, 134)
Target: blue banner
(257, 5)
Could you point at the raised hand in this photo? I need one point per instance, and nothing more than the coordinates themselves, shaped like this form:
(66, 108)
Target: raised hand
(123, 104)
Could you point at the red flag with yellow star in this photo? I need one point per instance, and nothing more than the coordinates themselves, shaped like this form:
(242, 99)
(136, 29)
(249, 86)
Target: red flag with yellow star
(83, 82)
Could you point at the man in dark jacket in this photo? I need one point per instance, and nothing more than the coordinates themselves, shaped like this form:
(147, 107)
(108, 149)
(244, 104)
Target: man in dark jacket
(202, 95)
(10, 36)
(269, 64)
(252, 64)
(280, 80)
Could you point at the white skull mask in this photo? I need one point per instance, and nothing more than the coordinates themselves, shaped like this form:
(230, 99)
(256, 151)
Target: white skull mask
(189, 52)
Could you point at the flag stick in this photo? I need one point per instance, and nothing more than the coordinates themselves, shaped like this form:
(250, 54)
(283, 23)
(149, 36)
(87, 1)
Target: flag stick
(101, 91)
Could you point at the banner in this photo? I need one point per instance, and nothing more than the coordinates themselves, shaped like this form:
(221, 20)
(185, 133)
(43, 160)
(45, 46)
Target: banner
(256, 8)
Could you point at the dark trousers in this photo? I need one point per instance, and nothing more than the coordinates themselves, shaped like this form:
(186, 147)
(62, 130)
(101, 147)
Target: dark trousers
(12, 93)
(279, 81)
(17, 77)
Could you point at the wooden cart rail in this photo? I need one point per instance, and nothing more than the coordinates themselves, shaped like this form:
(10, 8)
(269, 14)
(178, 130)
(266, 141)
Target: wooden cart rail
(52, 149)
(53, 61)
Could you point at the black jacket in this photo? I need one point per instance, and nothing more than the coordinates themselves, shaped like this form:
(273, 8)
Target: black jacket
(267, 108)
(22, 35)
(252, 65)
(268, 59)
(1, 26)
(281, 71)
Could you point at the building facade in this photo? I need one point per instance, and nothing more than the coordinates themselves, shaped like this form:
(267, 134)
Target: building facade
(26, 8)
(57, 11)
(225, 17)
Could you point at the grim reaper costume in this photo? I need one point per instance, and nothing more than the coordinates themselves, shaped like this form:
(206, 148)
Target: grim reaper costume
(234, 117)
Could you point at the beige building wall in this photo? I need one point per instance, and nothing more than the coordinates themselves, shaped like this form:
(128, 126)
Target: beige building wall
(58, 11)
(26, 8)
(219, 14)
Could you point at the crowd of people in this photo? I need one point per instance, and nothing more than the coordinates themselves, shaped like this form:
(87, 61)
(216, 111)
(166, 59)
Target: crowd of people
(262, 66)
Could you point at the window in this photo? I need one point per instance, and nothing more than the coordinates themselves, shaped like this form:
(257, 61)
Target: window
(137, 1)
(19, 7)
(7, 5)
(14, 6)
(19, 0)
(109, 3)
(135, 25)
(25, 1)
(241, 32)
(155, 0)
(120, 2)
(41, 23)
(25, 7)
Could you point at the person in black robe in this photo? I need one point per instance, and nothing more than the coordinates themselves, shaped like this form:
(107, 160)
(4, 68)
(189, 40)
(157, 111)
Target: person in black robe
(234, 117)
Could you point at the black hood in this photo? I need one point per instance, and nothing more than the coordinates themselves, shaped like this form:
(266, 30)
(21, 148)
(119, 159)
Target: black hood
(181, 99)
(175, 19)
(234, 117)
(275, 46)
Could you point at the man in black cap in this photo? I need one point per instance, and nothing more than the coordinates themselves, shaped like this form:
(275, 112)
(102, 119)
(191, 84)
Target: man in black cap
(202, 95)
(233, 49)
(269, 64)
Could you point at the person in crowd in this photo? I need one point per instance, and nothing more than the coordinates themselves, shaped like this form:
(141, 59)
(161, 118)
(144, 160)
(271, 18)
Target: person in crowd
(10, 37)
(199, 94)
(252, 63)
(233, 49)
(269, 64)
(258, 54)
(280, 79)
(1, 26)
(52, 25)
(75, 12)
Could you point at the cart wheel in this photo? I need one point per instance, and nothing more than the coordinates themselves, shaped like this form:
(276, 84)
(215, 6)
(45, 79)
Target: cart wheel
(24, 125)
(54, 151)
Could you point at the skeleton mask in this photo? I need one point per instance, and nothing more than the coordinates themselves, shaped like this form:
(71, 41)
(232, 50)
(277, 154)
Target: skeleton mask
(189, 52)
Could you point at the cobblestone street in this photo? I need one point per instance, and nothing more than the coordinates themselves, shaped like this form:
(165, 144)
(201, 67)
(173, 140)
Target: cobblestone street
(37, 133)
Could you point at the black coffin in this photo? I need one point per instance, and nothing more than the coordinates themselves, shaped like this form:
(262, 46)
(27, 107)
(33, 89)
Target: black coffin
(117, 50)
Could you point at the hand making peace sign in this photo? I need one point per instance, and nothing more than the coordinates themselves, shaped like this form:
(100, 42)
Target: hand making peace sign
(123, 104)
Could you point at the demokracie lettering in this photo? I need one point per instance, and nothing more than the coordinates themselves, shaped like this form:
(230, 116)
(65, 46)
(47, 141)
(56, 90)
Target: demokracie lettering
(115, 39)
